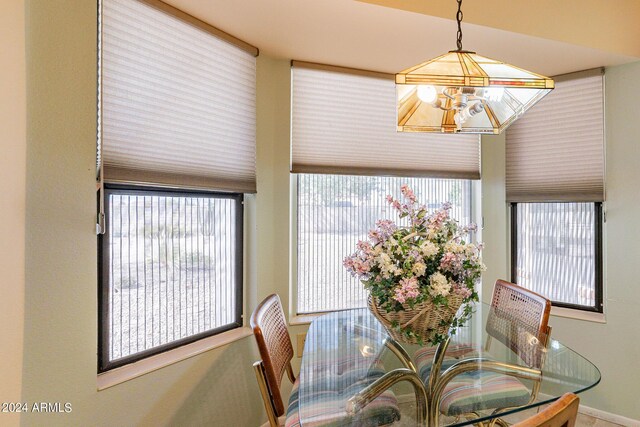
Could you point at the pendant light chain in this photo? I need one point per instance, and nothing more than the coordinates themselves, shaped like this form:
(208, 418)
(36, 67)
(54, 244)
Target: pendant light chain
(459, 19)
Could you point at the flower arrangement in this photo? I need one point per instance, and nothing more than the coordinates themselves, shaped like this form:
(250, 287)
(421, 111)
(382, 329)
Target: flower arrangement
(421, 268)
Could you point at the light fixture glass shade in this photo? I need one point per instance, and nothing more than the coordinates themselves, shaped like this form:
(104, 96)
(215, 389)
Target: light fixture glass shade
(475, 94)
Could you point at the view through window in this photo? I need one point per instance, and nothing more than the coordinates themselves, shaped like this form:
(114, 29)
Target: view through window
(557, 252)
(335, 211)
(172, 269)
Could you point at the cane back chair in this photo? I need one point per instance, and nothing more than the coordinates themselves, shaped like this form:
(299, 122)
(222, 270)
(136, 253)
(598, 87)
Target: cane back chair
(518, 318)
(275, 348)
(274, 345)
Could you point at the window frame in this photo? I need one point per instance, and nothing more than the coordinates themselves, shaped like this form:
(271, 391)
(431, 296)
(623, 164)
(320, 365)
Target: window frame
(104, 364)
(598, 254)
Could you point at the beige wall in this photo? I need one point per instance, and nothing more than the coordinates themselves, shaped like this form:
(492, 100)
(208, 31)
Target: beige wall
(613, 347)
(494, 214)
(13, 149)
(60, 330)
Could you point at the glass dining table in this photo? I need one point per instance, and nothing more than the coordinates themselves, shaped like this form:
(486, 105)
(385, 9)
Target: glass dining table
(350, 360)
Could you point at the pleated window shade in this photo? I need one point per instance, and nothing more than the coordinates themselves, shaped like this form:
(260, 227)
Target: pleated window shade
(177, 102)
(344, 122)
(555, 152)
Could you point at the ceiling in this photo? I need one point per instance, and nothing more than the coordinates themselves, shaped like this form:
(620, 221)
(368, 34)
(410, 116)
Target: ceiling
(552, 38)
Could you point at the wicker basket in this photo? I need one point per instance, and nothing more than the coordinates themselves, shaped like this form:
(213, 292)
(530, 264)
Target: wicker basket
(424, 320)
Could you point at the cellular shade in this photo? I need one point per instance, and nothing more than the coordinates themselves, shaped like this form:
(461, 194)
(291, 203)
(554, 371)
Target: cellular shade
(344, 122)
(177, 100)
(556, 151)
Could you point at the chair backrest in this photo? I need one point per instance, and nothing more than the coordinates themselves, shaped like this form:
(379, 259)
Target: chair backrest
(561, 413)
(517, 319)
(270, 329)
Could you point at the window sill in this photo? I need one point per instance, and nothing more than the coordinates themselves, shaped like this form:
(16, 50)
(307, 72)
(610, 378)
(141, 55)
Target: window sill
(153, 363)
(304, 319)
(588, 316)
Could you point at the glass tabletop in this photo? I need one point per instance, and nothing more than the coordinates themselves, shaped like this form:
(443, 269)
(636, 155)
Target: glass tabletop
(349, 357)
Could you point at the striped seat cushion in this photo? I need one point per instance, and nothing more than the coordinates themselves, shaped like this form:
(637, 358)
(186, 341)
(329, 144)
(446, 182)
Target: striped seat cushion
(328, 407)
(481, 390)
(424, 357)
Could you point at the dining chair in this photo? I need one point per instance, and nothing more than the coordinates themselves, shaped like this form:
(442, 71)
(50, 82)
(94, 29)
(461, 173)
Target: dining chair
(275, 348)
(561, 413)
(518, 319)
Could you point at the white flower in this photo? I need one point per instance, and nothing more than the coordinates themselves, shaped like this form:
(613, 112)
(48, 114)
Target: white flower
(384, 261)
(454, 247)
(428, 249)
(418, 269)
(439, 285)
(470, 250)
(432, 232)
(391, 243)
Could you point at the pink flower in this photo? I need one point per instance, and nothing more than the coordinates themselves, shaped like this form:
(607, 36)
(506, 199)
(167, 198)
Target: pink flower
(361, 267)
(408, 193)
(399, 296)
(364, 246)
(462, 290)
(347, 262)
(386, 227)
(357, 267)
(375, 236)
(450, 262)
(408, 289)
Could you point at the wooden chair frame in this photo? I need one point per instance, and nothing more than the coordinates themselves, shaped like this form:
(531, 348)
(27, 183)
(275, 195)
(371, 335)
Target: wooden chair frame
(561, 413)
(274, 345)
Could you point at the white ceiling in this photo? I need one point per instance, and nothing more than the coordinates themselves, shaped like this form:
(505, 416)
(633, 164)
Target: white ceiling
(360, 35)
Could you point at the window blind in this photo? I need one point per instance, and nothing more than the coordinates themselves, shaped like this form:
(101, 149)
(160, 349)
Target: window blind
(177, 100)
(555, 152)
(344, 122)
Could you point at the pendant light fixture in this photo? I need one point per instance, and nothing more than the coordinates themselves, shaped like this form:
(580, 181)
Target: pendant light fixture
(463, 92)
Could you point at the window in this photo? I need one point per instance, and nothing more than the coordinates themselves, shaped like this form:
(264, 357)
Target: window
(335, 211)
(171, 272)
(557, 252)
(175, 156)
(555, 184)
(348, 156)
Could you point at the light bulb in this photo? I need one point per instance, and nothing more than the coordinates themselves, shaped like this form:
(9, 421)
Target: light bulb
(427, 93)
(494, 94)
(466, 113)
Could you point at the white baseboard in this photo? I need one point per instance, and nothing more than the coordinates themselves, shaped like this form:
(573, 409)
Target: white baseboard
(603, 415)
(607, 416)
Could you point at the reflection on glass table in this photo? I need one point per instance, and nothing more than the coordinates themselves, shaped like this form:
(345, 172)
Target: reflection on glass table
(349, 359)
